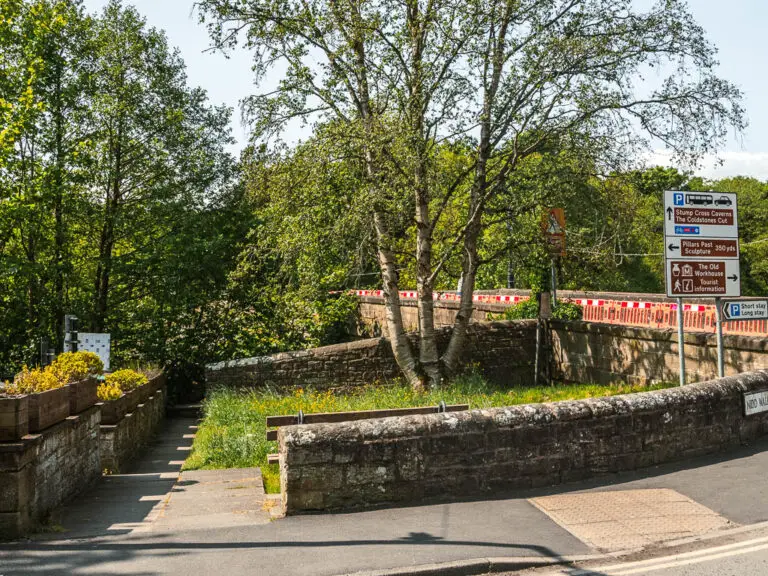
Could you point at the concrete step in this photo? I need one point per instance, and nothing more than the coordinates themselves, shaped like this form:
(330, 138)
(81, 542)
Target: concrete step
(185, 410)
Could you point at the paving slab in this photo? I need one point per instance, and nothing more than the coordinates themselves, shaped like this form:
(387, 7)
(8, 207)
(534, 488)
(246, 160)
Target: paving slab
(621, 520)
(205, 499)
(732, 483)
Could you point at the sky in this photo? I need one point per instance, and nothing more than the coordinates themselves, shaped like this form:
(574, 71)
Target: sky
(736, 27)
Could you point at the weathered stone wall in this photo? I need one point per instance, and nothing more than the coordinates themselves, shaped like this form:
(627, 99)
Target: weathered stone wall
(42, 471)
(603, 353)
(122, 442)
(503, 351)
(372, 314)
(479, 452)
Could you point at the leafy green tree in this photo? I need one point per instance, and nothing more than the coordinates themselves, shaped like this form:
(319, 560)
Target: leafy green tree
(509, 78)
(21, 24)
(33, 165)
(119, 202)
(752, 196)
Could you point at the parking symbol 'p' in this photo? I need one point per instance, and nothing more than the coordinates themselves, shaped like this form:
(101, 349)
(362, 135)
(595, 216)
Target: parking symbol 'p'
(679, 200)
(735, 310)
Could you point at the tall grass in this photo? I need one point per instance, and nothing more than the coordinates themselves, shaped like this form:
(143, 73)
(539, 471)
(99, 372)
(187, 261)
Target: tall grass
(233, 431)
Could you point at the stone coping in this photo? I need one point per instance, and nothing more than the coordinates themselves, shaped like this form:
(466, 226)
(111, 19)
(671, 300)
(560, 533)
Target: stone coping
(483, 420)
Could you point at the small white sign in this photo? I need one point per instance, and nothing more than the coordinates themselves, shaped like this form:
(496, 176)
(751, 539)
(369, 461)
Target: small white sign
(94, 342)
(745, 310)
(755, 402)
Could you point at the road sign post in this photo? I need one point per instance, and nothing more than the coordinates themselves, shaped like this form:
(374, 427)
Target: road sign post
(553, 227)
(681, 340)
(720, 350)
(701, 245)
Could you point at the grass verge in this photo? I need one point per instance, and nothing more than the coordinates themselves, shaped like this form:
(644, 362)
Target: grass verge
(233, 431)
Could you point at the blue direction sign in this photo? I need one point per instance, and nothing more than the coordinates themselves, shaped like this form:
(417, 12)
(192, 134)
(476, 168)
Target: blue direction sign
(745, 309)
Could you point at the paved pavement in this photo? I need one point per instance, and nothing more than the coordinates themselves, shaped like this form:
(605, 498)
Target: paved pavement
(152, 522)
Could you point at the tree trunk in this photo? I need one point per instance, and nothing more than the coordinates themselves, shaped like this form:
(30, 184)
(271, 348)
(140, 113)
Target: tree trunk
(478, 198)
(428, 354)
(58, 209)
(401, 348)
(451, 359)
(429, 359)
(107, 243)
(103, 271)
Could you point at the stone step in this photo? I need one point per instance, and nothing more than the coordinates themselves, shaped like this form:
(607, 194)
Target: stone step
(185, 411)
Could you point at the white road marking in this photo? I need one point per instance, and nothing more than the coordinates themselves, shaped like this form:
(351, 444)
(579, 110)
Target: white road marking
(698, 560)
(684, 559)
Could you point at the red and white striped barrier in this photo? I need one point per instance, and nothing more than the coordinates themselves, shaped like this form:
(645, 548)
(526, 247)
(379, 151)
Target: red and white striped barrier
(659, 315)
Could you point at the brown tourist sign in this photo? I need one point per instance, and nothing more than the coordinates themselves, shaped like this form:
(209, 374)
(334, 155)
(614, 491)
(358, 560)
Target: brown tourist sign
(704, 278)
(703, 248)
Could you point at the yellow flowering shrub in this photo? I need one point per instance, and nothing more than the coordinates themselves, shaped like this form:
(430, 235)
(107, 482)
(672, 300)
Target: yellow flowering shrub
(95, 365)
(126, 379)
(109, 391)
(36, 380)
(75, 366)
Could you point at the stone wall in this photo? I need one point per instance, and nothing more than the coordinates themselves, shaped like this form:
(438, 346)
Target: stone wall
(481, 452)
(42, 471)
(605, 354)
(372, 314)
(122, 442)
(503, 351)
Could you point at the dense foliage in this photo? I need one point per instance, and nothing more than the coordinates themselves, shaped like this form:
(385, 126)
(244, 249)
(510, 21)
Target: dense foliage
(120, 203)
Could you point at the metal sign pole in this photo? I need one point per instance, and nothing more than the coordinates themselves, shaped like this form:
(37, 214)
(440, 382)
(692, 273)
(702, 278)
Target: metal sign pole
(681, 340)
(554, 283)
(720, 350)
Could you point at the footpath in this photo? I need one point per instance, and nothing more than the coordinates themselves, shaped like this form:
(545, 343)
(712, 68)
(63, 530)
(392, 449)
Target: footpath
(156, 520)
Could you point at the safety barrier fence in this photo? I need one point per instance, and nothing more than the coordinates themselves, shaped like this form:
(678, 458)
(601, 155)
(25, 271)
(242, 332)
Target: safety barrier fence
(659, 315)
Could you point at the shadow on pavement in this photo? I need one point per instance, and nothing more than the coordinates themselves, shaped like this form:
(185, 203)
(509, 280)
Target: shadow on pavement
(120, 503)
(73, 557)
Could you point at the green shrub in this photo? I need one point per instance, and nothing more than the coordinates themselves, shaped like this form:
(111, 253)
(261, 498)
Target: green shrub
(68, 367)
(75, 366)
(522, 310)
(567, 311)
